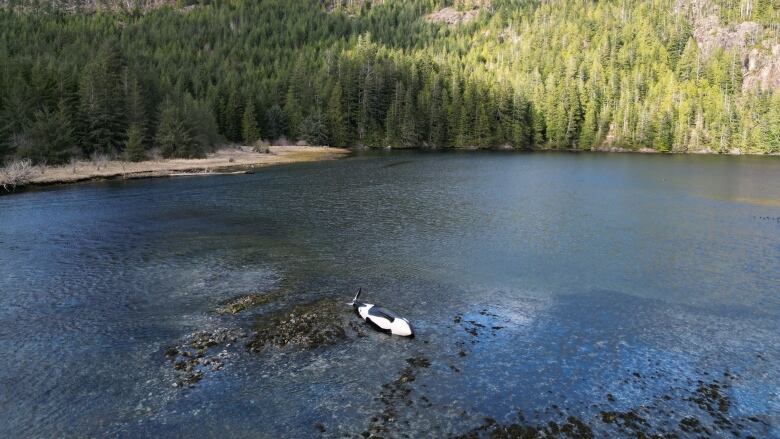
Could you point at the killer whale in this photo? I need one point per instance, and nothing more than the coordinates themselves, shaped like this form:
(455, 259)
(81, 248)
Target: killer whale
(381, 318)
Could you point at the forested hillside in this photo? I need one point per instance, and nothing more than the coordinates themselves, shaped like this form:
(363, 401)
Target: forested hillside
(131, 77)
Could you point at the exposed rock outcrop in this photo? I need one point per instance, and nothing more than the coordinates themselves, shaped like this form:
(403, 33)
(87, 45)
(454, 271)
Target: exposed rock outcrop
(710, 35)
(762, 68)
(88, 6)
(309, 325)
(452, 16)
(467, 11)
(756, 45)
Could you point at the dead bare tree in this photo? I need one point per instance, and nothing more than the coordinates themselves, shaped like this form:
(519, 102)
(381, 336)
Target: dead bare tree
(16, 174)
(99, 160)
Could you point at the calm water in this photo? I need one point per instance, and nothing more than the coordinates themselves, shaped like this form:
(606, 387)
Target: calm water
(546, 285)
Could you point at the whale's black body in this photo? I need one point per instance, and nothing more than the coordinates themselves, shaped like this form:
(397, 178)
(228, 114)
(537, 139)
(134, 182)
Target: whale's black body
(382, 319)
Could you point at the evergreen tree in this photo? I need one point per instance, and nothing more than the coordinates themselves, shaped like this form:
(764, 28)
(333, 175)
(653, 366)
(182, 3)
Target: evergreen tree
(483, 135)
(173, 136)
(589, 132)
(233, 113)
(409, 136)
(136, 106)
(134, 147)
(664, 135)
(437, 117)
(689, 66)
(276, 122)
(771, 128)
(49, 137)
(201, 125)
(102, 117)
(249, 129)
(313, 128)
(293, 113)
(337, 132)
(520, 127)
(394, 116)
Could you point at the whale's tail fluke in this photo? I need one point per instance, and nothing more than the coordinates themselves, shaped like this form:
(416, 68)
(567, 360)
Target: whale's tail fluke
(360, 290)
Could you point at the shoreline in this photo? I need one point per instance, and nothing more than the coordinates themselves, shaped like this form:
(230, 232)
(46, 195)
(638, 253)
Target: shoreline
(604, 149)
(243, 160)
(225, 161)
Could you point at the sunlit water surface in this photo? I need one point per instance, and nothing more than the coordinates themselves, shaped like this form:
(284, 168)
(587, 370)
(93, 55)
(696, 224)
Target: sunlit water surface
(542, 286)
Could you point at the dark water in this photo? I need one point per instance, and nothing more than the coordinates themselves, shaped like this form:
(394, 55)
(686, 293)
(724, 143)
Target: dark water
(542, 286)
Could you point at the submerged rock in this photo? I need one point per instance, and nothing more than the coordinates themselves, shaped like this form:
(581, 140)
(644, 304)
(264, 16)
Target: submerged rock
(395, 395)
(705, 414)
(242, 303)
(309, 325)
(200, 354)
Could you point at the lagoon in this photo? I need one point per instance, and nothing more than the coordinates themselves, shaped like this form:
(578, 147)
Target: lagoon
(604, 293)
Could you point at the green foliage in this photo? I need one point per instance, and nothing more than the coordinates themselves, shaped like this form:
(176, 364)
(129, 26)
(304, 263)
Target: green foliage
(293, 112)
(336, 125)
(173, 136)
(313, 129)
(250, 131)
(276, 124)
(664, 135)
(771, 128)
(102, 113)
(49, 138)
(553, 74)
(134, 148)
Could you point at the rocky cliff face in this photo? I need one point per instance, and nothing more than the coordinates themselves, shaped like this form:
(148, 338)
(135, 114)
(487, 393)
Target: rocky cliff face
(465, 11)
(762, 67)
(710, 35)
(90, 5)
(759, 53)
(757, 46)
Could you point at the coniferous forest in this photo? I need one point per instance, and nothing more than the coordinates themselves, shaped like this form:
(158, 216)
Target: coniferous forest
(559, 74)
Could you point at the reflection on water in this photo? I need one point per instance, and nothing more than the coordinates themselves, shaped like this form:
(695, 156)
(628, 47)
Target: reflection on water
(628, 293)
(758, 201)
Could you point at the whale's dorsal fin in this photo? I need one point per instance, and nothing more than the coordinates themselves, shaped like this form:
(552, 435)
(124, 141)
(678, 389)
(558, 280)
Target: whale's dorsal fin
(360, 290)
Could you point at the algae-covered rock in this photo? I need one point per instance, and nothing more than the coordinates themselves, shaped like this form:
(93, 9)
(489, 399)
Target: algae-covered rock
(308, 325)
(242, 303)
(395, 395)
(200, 354)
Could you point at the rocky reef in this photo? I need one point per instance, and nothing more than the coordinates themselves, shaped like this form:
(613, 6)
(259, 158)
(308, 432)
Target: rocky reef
(309, 325)
(248, 301)
(201, 354)
(304, 326)
(394, 395)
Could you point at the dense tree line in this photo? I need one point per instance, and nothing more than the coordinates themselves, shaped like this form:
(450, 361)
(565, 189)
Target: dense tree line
(550, 74)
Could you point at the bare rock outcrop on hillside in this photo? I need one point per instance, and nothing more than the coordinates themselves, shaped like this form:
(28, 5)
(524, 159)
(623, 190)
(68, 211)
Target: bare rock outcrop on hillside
(74, 6)
(756, 45)
(760, 56)
(762, 68)
(452, 16)
(467, 11)
(710, 35)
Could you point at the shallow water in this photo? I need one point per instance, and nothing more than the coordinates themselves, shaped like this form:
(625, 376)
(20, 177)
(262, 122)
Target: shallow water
(542, 286)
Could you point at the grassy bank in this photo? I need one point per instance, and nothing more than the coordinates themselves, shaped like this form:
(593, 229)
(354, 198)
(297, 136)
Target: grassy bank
(224, 160)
